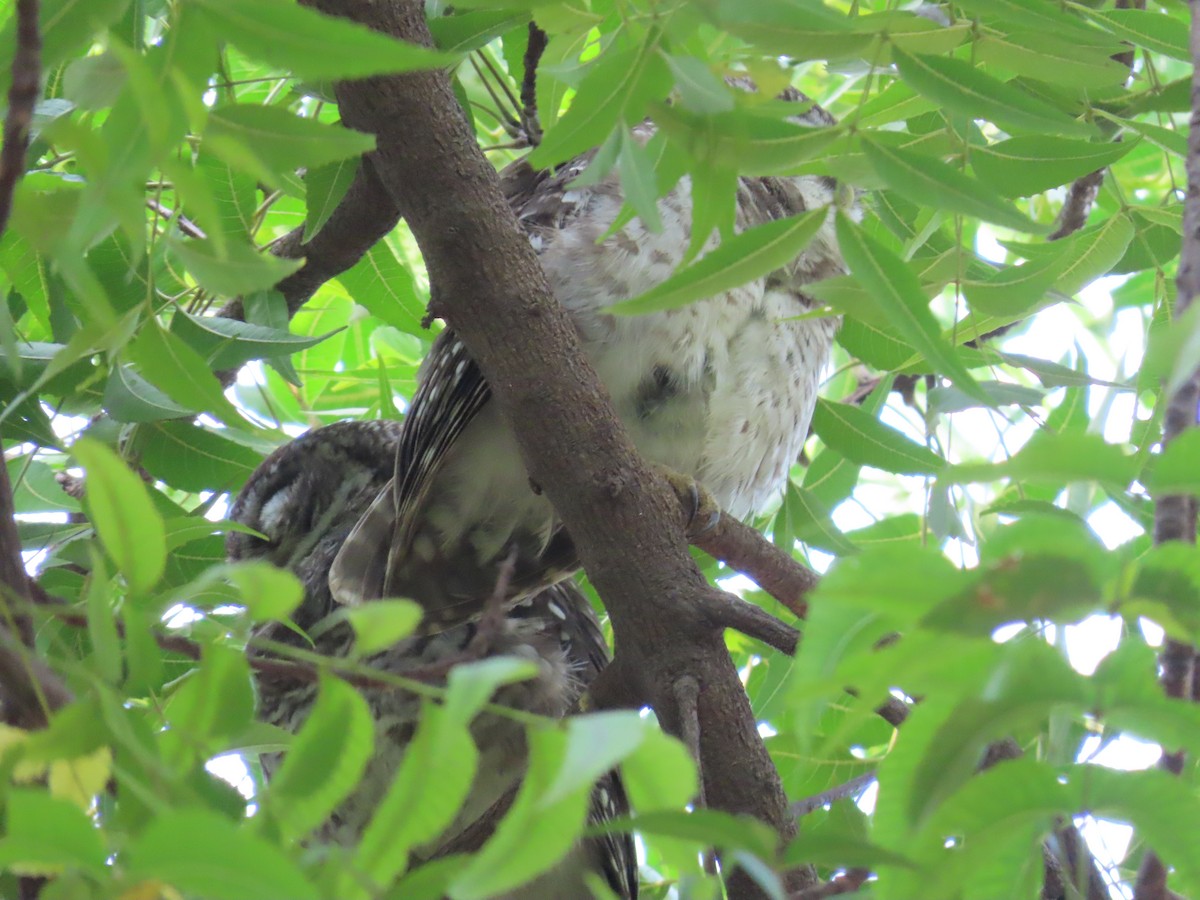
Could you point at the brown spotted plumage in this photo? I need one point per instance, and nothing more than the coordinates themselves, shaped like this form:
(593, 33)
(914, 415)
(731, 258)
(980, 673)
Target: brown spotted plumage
(720, 390)
(305, 498)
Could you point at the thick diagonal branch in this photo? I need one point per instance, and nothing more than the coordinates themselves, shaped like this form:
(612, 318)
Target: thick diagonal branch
(488, 284)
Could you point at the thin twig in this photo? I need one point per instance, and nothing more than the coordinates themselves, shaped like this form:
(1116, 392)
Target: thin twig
(743, 548)
(491, 621)
(276, 665)
(841, 884)
(529, 108)
(1078, 204)
(186, 225)
(30, 689)
(687, 695)
(855, 785)
(724, 610)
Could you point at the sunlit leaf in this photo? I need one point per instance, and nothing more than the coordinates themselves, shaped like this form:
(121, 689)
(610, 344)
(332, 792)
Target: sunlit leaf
(313, 45)
(325, 760)
(205, 854)
(119, 506)
(742, 258)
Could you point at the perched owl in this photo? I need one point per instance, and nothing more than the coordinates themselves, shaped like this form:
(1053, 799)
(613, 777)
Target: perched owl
(721, 390)
(305, 498)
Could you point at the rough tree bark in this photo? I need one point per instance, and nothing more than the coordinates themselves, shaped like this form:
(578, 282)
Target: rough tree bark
(624, 519)
(1175, 515)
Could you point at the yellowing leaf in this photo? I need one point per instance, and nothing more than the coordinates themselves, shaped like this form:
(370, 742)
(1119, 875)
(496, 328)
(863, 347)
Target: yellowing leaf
(151, 890)
(82, 778)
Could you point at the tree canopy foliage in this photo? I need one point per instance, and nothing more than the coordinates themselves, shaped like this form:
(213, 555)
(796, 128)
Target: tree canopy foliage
(981, 476)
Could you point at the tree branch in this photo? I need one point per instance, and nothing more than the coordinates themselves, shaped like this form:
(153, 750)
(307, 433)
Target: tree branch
(363, 218)
(22, 97)
(743, 548)
(1175, 515)
(624, 520)
(30, 689)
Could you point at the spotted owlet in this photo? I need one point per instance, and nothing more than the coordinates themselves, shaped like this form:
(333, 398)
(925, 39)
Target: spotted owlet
(721, 390)
(304, 499)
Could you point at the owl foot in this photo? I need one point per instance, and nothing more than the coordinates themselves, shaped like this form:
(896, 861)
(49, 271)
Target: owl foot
(701, 512)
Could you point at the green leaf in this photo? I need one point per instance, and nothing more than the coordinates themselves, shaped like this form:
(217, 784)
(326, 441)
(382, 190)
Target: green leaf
(1055, 459)
(962, 88)
(430, 786)
(1154, 31)
(804, 517)
(64, 26)
(636, 170)
(931, 182)
(94, 82)
(616, 89)
(381, 283)
(595, 744)
(711, 828)
(950, 399)
(538, 830)
(267, 591)
(102, 623)
(831, 477)
(1089, 254)
(1027, 165)
(228, 343)
(700, 90)
(1012, 291)
(129, 397)
(744, 257)
(1004, 812)
(1166, 586)
(840, 850)
(193, 458)
(203, 854)
(801, 29)
(324, 762)
(1031, 680)
(119, 505)
(897, 292)
(910, 32)
(1152, 801)
(35, 488)
(280, 140)
(1050, 58)
(660, 773)
(1036, 15)
(44, 832)
(861, 437)
(750, 144)
(215, 704)
(1177, 469)
(180, 372)
(471, 686)
(463, 32)
(381, 623)
(1170, 139)
(324, 187)
(313, 45)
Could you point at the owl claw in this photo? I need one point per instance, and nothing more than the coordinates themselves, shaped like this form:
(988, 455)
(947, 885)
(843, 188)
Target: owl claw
(701, 512)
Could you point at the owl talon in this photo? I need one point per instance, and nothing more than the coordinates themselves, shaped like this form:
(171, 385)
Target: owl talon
(701, 512)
